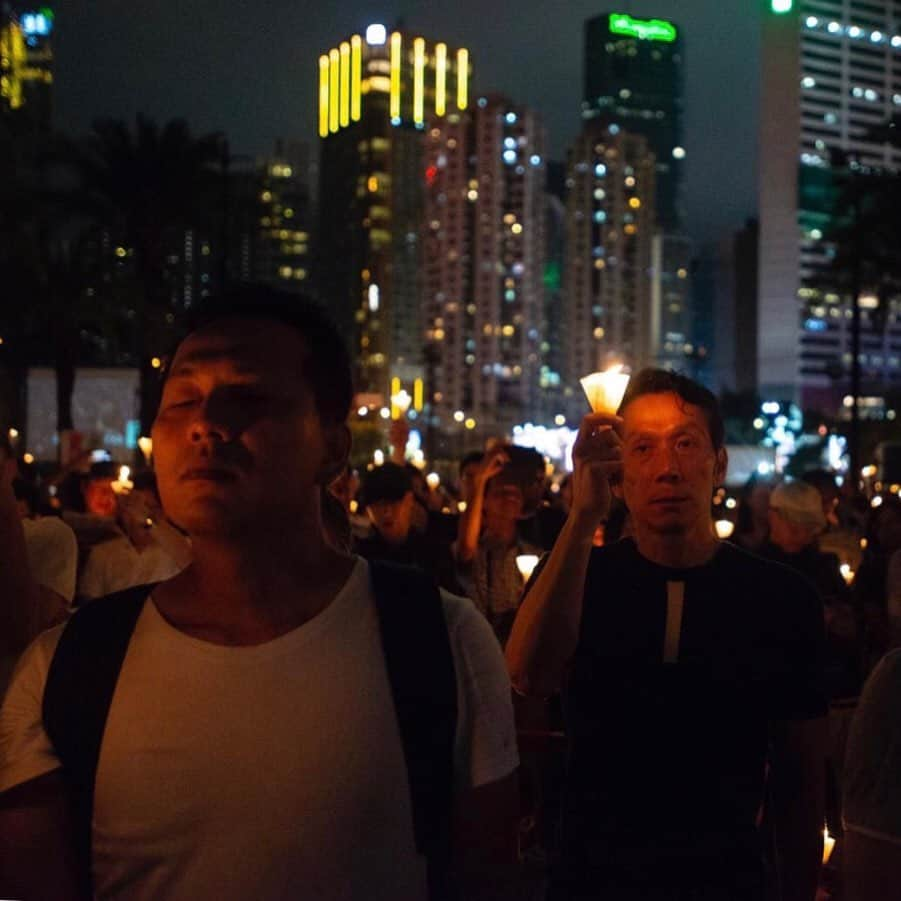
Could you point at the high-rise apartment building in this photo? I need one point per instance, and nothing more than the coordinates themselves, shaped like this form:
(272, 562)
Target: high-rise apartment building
(281, 250)
(831, 71)
(633, 79)
(633, 82)
(484, 225)
(379, 93)
(610, 243)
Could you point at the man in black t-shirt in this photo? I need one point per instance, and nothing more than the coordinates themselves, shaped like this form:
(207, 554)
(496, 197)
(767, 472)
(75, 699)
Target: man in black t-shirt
(688, 667)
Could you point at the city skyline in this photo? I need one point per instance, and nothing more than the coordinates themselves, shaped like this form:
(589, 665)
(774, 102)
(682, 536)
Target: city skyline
(250, 76)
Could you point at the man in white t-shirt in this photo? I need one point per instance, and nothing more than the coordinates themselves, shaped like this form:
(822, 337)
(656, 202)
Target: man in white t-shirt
(252, 747)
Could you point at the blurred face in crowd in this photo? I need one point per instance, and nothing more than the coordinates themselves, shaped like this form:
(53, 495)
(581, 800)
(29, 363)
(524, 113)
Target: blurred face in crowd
(888, 529)
(467, 480)
(503, 498)
(99, 497)
(533, 484)
(239, 446)
(393, 519)
(670, 467)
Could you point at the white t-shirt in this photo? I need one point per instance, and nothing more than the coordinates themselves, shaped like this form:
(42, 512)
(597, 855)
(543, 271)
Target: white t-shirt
(267, 772)
(52, 554)
(116, 564)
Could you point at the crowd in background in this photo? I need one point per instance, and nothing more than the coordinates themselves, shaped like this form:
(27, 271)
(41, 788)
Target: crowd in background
(88, 535)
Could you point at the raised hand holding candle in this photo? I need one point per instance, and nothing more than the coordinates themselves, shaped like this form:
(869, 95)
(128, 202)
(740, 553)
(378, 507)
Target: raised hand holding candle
(123, 484)
(605, 390)
(828, 845)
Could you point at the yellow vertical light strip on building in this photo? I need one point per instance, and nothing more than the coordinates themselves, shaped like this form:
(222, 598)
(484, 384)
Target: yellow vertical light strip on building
(344, 104)
(323, 96)
(356, 67)
(462, 78)
(440, 79)
(396, 62)
(395, 389)
(418, 80)
(334, 88)
(418, 395)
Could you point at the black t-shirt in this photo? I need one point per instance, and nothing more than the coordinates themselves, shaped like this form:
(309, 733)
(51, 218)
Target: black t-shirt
(670, 757)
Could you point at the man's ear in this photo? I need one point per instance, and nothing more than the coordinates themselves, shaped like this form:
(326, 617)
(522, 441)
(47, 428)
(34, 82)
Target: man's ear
(720, 467)
(337, 451)
(616, 486)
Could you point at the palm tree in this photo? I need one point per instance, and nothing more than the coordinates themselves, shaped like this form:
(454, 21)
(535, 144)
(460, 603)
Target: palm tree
(146, 187)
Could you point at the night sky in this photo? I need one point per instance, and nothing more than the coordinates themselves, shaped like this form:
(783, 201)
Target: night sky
(249, 68)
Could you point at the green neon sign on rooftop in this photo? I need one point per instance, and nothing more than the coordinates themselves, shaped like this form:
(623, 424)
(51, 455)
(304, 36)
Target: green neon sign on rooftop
(643, 29)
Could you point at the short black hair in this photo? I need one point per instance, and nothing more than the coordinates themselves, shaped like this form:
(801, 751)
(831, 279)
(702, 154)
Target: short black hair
(388, 482)
(665, 381)
(327, 364)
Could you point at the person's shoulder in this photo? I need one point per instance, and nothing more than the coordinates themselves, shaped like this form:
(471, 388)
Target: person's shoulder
(50, 531)
(742, 562)
(887, 675)
(33, 665)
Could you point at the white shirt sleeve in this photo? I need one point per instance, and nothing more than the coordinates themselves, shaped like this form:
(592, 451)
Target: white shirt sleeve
(52, 554)
(25, 749)
(485, 746)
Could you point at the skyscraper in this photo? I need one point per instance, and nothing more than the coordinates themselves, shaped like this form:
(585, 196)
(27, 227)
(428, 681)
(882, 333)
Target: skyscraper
(378, 94)
(633, 79)
(633, 83)
(610, 244)
(831, 71)
(484, 262)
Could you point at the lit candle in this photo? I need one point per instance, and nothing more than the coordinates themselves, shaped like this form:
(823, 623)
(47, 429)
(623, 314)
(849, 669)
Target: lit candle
(828, 845)
(146, 446)
(378, 457)
(461, 506)
(526, 564)
(433, 480)
(847, 573)
(605, 390)
(123, 484)
(724, 528)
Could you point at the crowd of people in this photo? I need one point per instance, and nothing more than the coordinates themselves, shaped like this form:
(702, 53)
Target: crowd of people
(253, 671)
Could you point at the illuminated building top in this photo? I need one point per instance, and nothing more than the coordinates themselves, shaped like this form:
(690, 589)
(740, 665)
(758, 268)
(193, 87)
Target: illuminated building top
(419, 79)
(644, 29)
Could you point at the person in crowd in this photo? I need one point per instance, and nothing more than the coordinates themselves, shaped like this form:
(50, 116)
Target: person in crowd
(752, 528)
(838, 538)
(345, 489)
(387, 495)
(540, 523)
(682, 660)
(145, 547)
(871, 582)
(797, 519)
(37, 571)
(252, 748)
(488, 541)
(871, 851)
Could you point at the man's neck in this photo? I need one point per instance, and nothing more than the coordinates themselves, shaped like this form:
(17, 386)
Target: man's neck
(678, 550)
(499, 531)
(244, 591)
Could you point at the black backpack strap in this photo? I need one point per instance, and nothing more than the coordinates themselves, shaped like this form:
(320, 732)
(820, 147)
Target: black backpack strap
(78, 694)
(423, 682)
